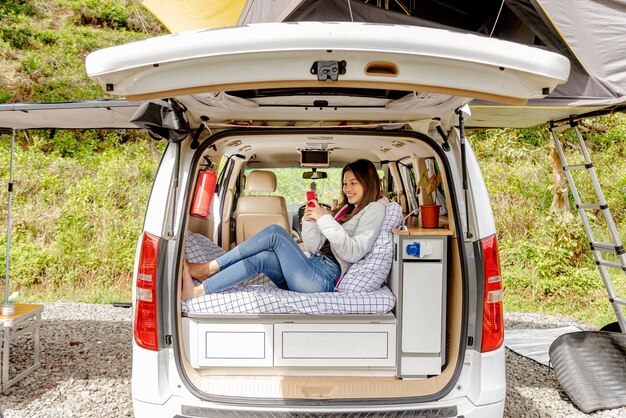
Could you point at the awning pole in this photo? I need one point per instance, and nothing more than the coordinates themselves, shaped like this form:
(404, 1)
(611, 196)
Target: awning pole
(8, 308)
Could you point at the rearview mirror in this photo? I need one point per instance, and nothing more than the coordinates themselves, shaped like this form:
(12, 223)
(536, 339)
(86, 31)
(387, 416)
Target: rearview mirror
(314, 175)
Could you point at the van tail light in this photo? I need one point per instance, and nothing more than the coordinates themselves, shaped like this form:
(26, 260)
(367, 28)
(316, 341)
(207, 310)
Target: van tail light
(493, 321)
(146, 326)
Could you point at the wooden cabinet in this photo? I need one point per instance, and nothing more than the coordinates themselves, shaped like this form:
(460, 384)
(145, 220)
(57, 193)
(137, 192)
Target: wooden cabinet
(364, 344)
(346, 345)
(228, 345)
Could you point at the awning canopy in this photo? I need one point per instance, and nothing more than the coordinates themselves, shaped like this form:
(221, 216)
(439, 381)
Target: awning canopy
(92, 114)
(108, 114)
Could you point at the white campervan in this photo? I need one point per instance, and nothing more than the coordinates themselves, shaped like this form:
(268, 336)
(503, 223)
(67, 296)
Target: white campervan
(274, 107)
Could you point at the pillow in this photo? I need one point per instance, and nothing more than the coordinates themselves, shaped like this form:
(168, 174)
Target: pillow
(370, 272)
(200, 249)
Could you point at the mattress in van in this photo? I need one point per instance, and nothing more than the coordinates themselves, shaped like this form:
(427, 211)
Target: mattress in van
(260, 296)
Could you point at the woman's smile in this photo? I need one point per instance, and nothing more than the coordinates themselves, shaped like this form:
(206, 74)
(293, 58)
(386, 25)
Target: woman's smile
(352, 188)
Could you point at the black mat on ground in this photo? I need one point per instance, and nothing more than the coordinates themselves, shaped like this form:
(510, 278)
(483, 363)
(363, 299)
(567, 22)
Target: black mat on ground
(591, 368)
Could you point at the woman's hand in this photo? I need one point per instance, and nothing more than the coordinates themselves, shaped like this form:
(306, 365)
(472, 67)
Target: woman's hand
(313, 213)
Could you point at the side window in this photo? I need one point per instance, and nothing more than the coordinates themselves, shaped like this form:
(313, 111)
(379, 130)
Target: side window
(292, 186)
(433, 173)
(408, 173)
(387, 184)
(221, 168)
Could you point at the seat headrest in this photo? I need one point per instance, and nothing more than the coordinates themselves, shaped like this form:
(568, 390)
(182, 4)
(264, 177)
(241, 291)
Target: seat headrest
(261, 181)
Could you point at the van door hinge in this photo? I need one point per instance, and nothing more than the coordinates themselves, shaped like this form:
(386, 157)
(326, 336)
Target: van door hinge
(168, 339)
(328, 70)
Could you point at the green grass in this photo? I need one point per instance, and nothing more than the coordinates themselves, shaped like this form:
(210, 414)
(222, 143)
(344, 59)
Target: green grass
(43, 45)
(547, 265)
(79, 198)
(78, 207)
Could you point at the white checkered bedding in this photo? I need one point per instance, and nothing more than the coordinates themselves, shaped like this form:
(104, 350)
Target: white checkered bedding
(260, 296)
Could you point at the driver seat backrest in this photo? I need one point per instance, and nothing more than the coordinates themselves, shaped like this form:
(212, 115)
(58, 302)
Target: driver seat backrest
(253, 213)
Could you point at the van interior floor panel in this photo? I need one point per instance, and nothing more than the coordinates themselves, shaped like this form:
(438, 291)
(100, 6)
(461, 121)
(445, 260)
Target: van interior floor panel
(317, 387)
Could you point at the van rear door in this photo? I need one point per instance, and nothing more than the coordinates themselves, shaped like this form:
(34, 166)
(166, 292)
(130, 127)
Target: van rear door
(319, 55)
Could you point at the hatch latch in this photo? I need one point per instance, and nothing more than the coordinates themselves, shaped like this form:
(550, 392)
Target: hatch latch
(328, 70)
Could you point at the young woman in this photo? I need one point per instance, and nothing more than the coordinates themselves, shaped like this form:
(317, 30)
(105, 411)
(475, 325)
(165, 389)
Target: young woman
(335, 240)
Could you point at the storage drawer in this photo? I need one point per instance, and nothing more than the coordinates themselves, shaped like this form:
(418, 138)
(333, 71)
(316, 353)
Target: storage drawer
(335, 345)
(229, 345)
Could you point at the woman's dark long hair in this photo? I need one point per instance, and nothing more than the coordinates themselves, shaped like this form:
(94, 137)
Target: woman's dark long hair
(365, 173)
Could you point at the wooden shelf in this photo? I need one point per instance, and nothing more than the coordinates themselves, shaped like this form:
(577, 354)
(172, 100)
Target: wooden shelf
(414, 225)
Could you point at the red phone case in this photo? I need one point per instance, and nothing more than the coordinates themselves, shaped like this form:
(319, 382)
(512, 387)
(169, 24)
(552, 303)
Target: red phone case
(310, 195)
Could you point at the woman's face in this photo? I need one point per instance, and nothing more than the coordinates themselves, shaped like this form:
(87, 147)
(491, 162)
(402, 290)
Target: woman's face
(353, 190)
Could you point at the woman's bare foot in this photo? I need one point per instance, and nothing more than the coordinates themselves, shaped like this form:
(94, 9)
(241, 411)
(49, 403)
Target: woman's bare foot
(202, 271)
(189, 286)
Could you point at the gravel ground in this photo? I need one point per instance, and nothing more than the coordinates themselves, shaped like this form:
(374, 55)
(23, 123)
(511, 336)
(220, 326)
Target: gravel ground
(86, 364)
(532, 389)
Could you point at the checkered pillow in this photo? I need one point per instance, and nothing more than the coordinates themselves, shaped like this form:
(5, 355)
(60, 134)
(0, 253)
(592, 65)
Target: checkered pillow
(370, 272)
(200, 249)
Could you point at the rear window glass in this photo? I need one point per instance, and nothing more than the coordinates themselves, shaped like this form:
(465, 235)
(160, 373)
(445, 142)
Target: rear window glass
(293, 187)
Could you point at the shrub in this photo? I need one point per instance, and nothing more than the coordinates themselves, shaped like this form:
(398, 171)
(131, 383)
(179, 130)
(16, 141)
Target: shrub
(11, 8)
(106, 14)
(546, 261)
(78, 207)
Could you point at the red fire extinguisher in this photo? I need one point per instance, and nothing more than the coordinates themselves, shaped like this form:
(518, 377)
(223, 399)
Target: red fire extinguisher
(205, 188)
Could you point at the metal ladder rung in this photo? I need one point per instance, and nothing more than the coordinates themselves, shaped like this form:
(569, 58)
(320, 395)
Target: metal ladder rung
(564, 127)
(614, 247)
(574, 167)
(612, 264)
(608, 247)
(595, 206)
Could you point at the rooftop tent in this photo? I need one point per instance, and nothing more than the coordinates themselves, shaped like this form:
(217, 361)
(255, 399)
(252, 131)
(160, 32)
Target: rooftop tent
(589, 33)
(179, 16)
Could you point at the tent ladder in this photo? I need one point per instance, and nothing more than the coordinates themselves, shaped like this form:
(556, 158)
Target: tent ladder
(597, 248)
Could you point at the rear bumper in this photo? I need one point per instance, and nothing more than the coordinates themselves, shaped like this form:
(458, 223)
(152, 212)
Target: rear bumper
(479, 392)
(177, 407)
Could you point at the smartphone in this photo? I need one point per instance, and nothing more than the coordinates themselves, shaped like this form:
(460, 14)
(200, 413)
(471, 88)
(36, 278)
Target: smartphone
(310, 195)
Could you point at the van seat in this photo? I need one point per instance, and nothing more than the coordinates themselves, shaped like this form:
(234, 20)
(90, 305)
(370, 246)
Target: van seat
(253, 212)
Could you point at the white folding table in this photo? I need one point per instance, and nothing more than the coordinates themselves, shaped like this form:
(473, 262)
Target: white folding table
(29, 314)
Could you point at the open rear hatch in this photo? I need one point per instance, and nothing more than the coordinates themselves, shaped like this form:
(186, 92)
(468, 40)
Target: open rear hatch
(328, 75)
(451, 67)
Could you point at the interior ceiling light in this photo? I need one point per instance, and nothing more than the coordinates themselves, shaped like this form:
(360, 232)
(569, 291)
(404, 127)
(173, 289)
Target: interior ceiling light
(385, 149)
(397, 144)
(245, 148)
(234, 143)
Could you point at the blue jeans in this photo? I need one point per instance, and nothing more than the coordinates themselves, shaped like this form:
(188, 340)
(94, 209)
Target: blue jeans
(274, 253)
